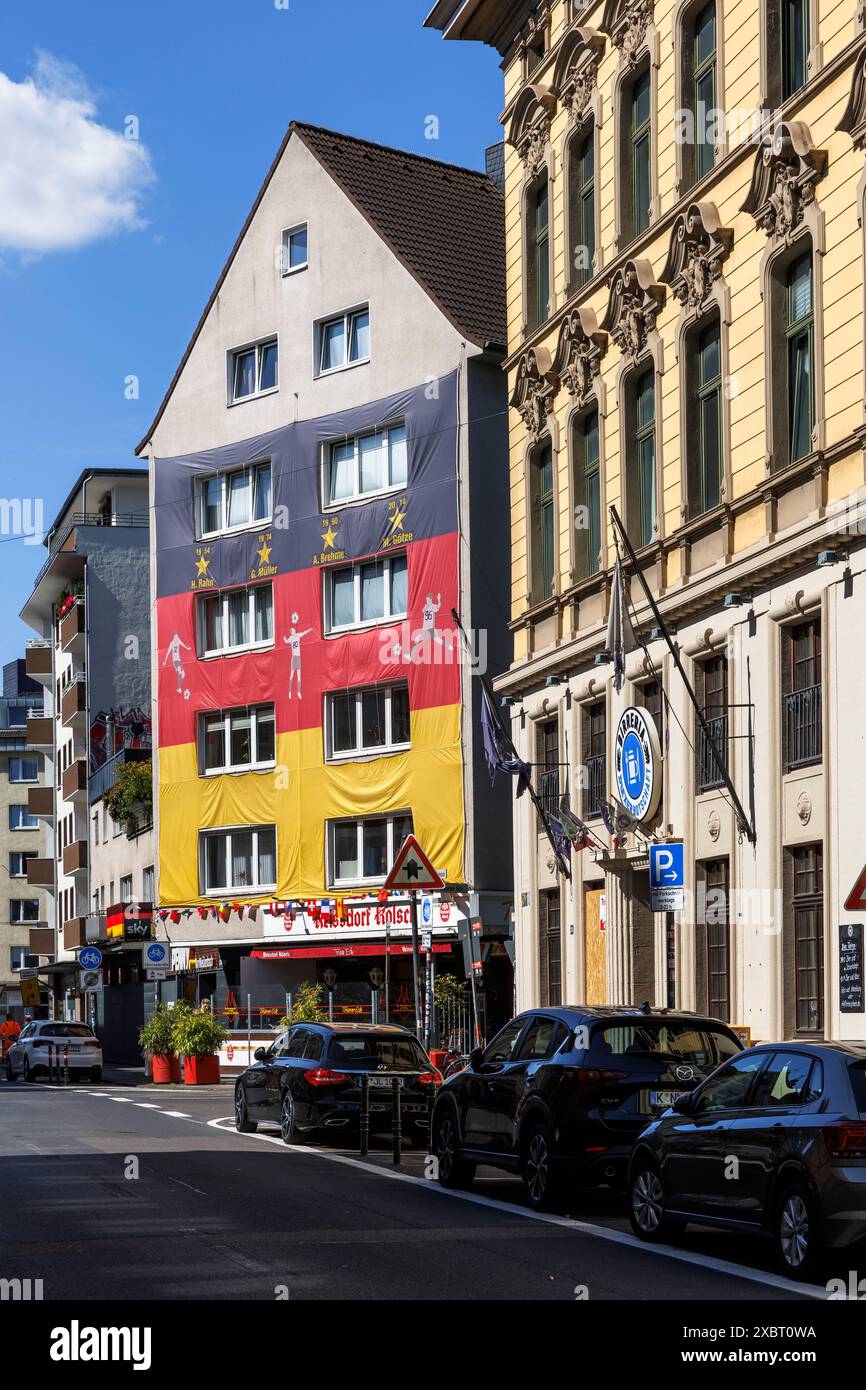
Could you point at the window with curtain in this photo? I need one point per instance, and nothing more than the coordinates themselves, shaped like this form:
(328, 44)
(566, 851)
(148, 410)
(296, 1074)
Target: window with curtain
(370, 592)
(234, 500)
(641, 137)
(364, 850)
(343, 341)
(245, 857)
(799, 330)
(252, 370)
(374, 720)
(236, 619)
(237, 738)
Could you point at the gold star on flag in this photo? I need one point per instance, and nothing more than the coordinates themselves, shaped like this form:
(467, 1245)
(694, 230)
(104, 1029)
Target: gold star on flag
(264, 553)
(397, 523)
(201, 565)
(329, 536)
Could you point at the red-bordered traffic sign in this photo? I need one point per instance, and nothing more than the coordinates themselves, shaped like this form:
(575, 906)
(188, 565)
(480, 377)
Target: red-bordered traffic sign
(412, 868)
(856, 899)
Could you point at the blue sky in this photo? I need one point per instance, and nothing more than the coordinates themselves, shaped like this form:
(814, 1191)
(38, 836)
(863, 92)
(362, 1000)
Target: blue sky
(110, 248)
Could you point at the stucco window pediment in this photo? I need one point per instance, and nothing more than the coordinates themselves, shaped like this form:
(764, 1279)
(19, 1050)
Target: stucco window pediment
(853, 120)
(535, 390)
(787, 167)
(575, 77)
(529, 131)
(635, 301)
(698, 245)
(628, 23)
(581, 346)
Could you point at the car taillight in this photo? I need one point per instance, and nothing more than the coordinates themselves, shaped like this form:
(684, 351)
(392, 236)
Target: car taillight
(597, 1074)
(323, 1076)
(41, 1042)
(846, 1141)
(429, 1078)
(92, 1042)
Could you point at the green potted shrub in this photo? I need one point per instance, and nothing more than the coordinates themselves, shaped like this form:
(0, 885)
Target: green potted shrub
(156, 1036)
(198, 1037)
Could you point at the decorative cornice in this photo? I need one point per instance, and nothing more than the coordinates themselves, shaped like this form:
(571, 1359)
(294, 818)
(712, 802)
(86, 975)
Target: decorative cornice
(853, 120)
(627, 22)
(787, 167)
(633, 307)
(581, 347)
(698, 245)
(534, 27)
(535, 390)
(575, 75)
(529, 132)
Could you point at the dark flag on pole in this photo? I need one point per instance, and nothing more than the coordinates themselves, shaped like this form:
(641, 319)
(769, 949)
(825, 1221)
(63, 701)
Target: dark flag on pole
(620, 633)
(499, 750)
(559, 838)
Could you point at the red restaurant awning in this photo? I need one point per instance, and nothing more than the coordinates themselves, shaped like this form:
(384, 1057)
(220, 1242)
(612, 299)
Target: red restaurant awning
(399, 948)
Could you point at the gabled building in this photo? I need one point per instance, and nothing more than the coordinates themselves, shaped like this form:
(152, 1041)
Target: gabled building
(327, 484)
(685, 214)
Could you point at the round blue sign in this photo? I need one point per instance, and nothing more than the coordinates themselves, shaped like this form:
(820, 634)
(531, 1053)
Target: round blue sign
(426, 910)
(156, 953)
(637, 763)
(90, 958)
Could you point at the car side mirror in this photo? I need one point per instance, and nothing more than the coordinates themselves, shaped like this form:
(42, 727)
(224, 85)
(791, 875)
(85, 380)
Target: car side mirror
(476, 1057)
(260, 1054)
(684, 1103)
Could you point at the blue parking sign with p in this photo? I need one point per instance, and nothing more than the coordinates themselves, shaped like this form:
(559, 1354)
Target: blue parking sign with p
(667, 873)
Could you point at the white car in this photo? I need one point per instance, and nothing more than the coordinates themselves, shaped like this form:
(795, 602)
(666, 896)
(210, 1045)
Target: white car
(31, 1052)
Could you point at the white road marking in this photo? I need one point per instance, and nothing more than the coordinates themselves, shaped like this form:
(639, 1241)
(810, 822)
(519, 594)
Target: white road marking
(145, 1105)
(177, 1114)
(755, 1276)
(122, 1100)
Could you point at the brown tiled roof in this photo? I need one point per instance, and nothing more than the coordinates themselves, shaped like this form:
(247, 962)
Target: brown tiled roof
(446, 224)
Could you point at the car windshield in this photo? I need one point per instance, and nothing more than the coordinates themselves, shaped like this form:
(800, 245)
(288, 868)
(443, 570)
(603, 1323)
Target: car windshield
(67, 1030)
(668, 1041)
(394, 1054)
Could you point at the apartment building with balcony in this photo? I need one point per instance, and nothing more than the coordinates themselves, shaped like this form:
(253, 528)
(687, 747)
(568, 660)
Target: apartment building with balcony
(685, 219)
(25, 937)
(91, 610)
(327, 475)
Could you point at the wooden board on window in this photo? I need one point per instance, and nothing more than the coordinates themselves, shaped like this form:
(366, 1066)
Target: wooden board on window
(594, 949)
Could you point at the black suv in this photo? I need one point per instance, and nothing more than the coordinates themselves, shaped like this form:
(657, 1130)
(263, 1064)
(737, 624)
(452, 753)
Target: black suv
(309, 1079)
(566, 1091)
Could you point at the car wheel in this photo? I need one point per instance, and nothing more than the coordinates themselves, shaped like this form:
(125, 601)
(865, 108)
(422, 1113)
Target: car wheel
(451, 1169)
(10, 1074)
(537, 1169)
(243, 1123)
(646, 1207)
(288, 1128)
(798, 1235)
(96, 1075)
(27, 1074)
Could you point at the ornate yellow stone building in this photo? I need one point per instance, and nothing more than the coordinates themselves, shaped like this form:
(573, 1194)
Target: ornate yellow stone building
(685, 223)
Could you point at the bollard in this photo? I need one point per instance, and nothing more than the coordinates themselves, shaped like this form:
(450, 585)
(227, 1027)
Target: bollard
(431, 1101)
(365, 1114)
(50, 1063)
(396, 1122)
(66, 1065)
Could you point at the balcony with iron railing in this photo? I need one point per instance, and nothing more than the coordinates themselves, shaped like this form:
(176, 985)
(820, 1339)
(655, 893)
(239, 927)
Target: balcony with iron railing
(802, 727)
(548, 790)
(595, 789)
(39, 661)
(708, 772)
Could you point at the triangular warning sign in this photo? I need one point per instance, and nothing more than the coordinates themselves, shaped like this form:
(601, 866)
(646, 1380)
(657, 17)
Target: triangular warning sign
(412, 868)
(856, 899)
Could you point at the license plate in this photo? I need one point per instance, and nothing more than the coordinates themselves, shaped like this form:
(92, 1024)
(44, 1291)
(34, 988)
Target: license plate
(383, 1081)
(663, 1100)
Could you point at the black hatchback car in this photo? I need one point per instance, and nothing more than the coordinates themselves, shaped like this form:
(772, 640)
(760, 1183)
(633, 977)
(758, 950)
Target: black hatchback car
(774, 1143)
(564, 1092)
(309, 1080)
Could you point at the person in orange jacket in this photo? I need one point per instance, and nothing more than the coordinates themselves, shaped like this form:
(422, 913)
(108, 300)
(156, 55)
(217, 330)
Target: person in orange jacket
(9, 1031)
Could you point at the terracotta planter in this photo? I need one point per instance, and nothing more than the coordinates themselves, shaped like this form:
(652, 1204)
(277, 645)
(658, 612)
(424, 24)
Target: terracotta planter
(201, 1071)
(165, 1070)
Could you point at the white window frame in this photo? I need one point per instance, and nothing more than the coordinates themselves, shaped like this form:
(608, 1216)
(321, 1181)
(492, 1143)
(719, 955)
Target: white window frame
(226, 832)
(360, 821)
(20, 760)
(332, 503)
(347, 316)
(148, 883)
(124, 888)
(359, 752)
(257, 346)
(15, 829)
(18, 921)
(264, 644)
(257, 764)
(200, 487)
(288, 233)
(21, 855)
(359, 625)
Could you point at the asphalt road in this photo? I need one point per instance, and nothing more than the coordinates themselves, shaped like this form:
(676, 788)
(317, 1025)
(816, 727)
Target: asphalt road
(119, 1193)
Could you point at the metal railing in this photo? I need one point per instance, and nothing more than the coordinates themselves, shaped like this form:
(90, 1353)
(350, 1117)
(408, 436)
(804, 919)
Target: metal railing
(708, 774)
(802, 724)
(548, 791)
(595, 790)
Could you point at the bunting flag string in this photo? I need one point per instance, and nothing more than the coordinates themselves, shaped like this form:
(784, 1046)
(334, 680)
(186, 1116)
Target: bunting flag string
(321, 910)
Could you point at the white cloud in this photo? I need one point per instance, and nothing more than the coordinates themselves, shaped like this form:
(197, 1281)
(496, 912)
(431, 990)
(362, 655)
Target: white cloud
(65, 180)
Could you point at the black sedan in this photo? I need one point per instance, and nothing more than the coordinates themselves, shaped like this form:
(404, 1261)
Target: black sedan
(565, 1092)
(774, 1143)
(309, 1080)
